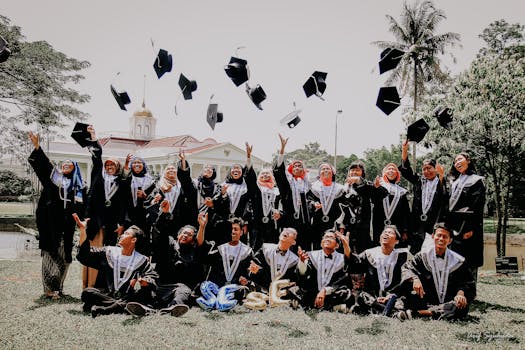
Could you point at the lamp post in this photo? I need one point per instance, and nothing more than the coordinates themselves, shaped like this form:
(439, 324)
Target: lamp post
(339, 112)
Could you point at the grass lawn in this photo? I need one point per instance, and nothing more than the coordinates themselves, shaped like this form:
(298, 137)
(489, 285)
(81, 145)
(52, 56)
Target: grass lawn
(29, 322)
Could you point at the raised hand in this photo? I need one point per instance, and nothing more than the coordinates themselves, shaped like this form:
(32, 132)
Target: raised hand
(377, 182)
(249, 149)
(284, 141)
(302, 254)
(128, 160)
(91, 131)
(165, 206)
(254, 268)
(203, 219)
(80, 224)
(224, 189)
(404, 150)
(35, 139)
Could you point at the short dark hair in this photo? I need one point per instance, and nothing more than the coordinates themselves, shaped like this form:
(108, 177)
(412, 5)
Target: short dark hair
(454, 173)
(332, 232)
(357, 164)
(238, 221)
(137, 233)
(443, 226)
(186, 227)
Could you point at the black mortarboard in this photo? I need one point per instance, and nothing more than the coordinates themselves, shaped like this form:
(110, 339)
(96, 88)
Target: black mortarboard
(444, 117)
(257, 95)
(316, 84)
(213, 115)
(163, 63)
(237, 70)
(292, 119)
(187, 86)
(390, 58)
(388, 99)
(81, 135)
(122, 98)
(4, 50)
(417, 130)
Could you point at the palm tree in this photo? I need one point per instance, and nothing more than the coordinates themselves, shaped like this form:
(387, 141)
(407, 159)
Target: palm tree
(415, 35)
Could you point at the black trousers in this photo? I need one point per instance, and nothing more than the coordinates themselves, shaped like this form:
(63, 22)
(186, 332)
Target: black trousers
(95, 297)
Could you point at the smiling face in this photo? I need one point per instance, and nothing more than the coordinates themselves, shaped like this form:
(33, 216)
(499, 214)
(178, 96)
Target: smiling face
(170, 173)
(186, 235)
(67, 167)
(391, 172)
(236, 232)
(441, 239)
(388, 238)
(356, 171)
(461, 163)
(265, 176)
(127, 239)
(137, 166)
(236, 172)
(329, 243)
(207, 172)
(429, 171)
(325, 172)
(110, 167)
(287, 238)
(297, 169)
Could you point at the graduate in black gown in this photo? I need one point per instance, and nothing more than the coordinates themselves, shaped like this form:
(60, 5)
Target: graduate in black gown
(129, 276)
(323, 274)
(465, 217)
(264, 199)
(275, 261)
(138, 185)
(293, 185)
(63, 193)
(324, 199)
(382, 269)
(430, 202)
(392, 209)
(438, 281)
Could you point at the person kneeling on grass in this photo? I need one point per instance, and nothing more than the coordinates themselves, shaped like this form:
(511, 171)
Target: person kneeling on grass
(129, 274)
(442, 285)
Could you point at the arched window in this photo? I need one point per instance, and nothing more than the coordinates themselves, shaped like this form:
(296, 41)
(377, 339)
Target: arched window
(139, 129)
(146, 130)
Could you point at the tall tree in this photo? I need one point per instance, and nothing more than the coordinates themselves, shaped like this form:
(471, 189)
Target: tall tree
(489, 119)
(35, 89)
(415, 35)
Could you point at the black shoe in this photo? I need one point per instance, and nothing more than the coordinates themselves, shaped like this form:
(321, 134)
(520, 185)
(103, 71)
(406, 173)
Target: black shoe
(137, 309)
(175, 310)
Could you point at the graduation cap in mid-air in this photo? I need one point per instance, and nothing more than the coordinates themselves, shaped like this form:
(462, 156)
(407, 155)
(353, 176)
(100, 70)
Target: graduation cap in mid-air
(187, 86)
(237, 70)
(163, 63)
(122, 98)
(81, 135)
(417, 130)
(388, 99)
(256, 94)
(213, 115)
(292, 118)
(4, 50)
(390, 58)
(315, 85)
(444, 116)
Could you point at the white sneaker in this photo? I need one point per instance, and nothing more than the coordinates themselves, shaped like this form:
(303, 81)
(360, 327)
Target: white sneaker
(175, 310)
(341, 308)
(137, 309)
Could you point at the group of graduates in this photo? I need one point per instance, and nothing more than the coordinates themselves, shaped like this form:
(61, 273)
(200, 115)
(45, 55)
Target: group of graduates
(163, 246)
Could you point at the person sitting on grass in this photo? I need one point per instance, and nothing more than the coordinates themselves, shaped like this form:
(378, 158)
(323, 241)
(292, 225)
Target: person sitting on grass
(323, 274)
(442, 285)
(382, 268)
(129, 275)
(180, 265)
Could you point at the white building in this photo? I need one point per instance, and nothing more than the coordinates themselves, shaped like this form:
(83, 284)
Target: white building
(157, 152)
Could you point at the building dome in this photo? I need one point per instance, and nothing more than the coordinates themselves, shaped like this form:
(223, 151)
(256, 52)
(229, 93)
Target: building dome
(143, 112)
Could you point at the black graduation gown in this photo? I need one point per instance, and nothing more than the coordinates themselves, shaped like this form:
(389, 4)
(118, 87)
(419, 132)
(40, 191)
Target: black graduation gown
(178, 263)
(340, 281)
(302, 223)
(400, 217)
(360, 202)
(459, 278)
(435, 214)
(54, 223)
(216, 270)
(100, 258)
(265, 258)
(102, 214)
(185, 211)
(320, 225)
(473, 199)
(260, 231)
(365, 263)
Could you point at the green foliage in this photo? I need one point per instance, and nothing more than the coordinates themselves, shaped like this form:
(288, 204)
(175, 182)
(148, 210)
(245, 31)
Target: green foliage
(503, 38)
(415, 34)
(13, 185)
(35, 89)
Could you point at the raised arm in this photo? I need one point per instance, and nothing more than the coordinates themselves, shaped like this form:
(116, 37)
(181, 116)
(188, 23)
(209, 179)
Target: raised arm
(39, 161)
(404, 167)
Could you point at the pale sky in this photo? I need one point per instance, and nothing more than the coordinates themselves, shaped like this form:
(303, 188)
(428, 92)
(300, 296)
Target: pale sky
(285, 42)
